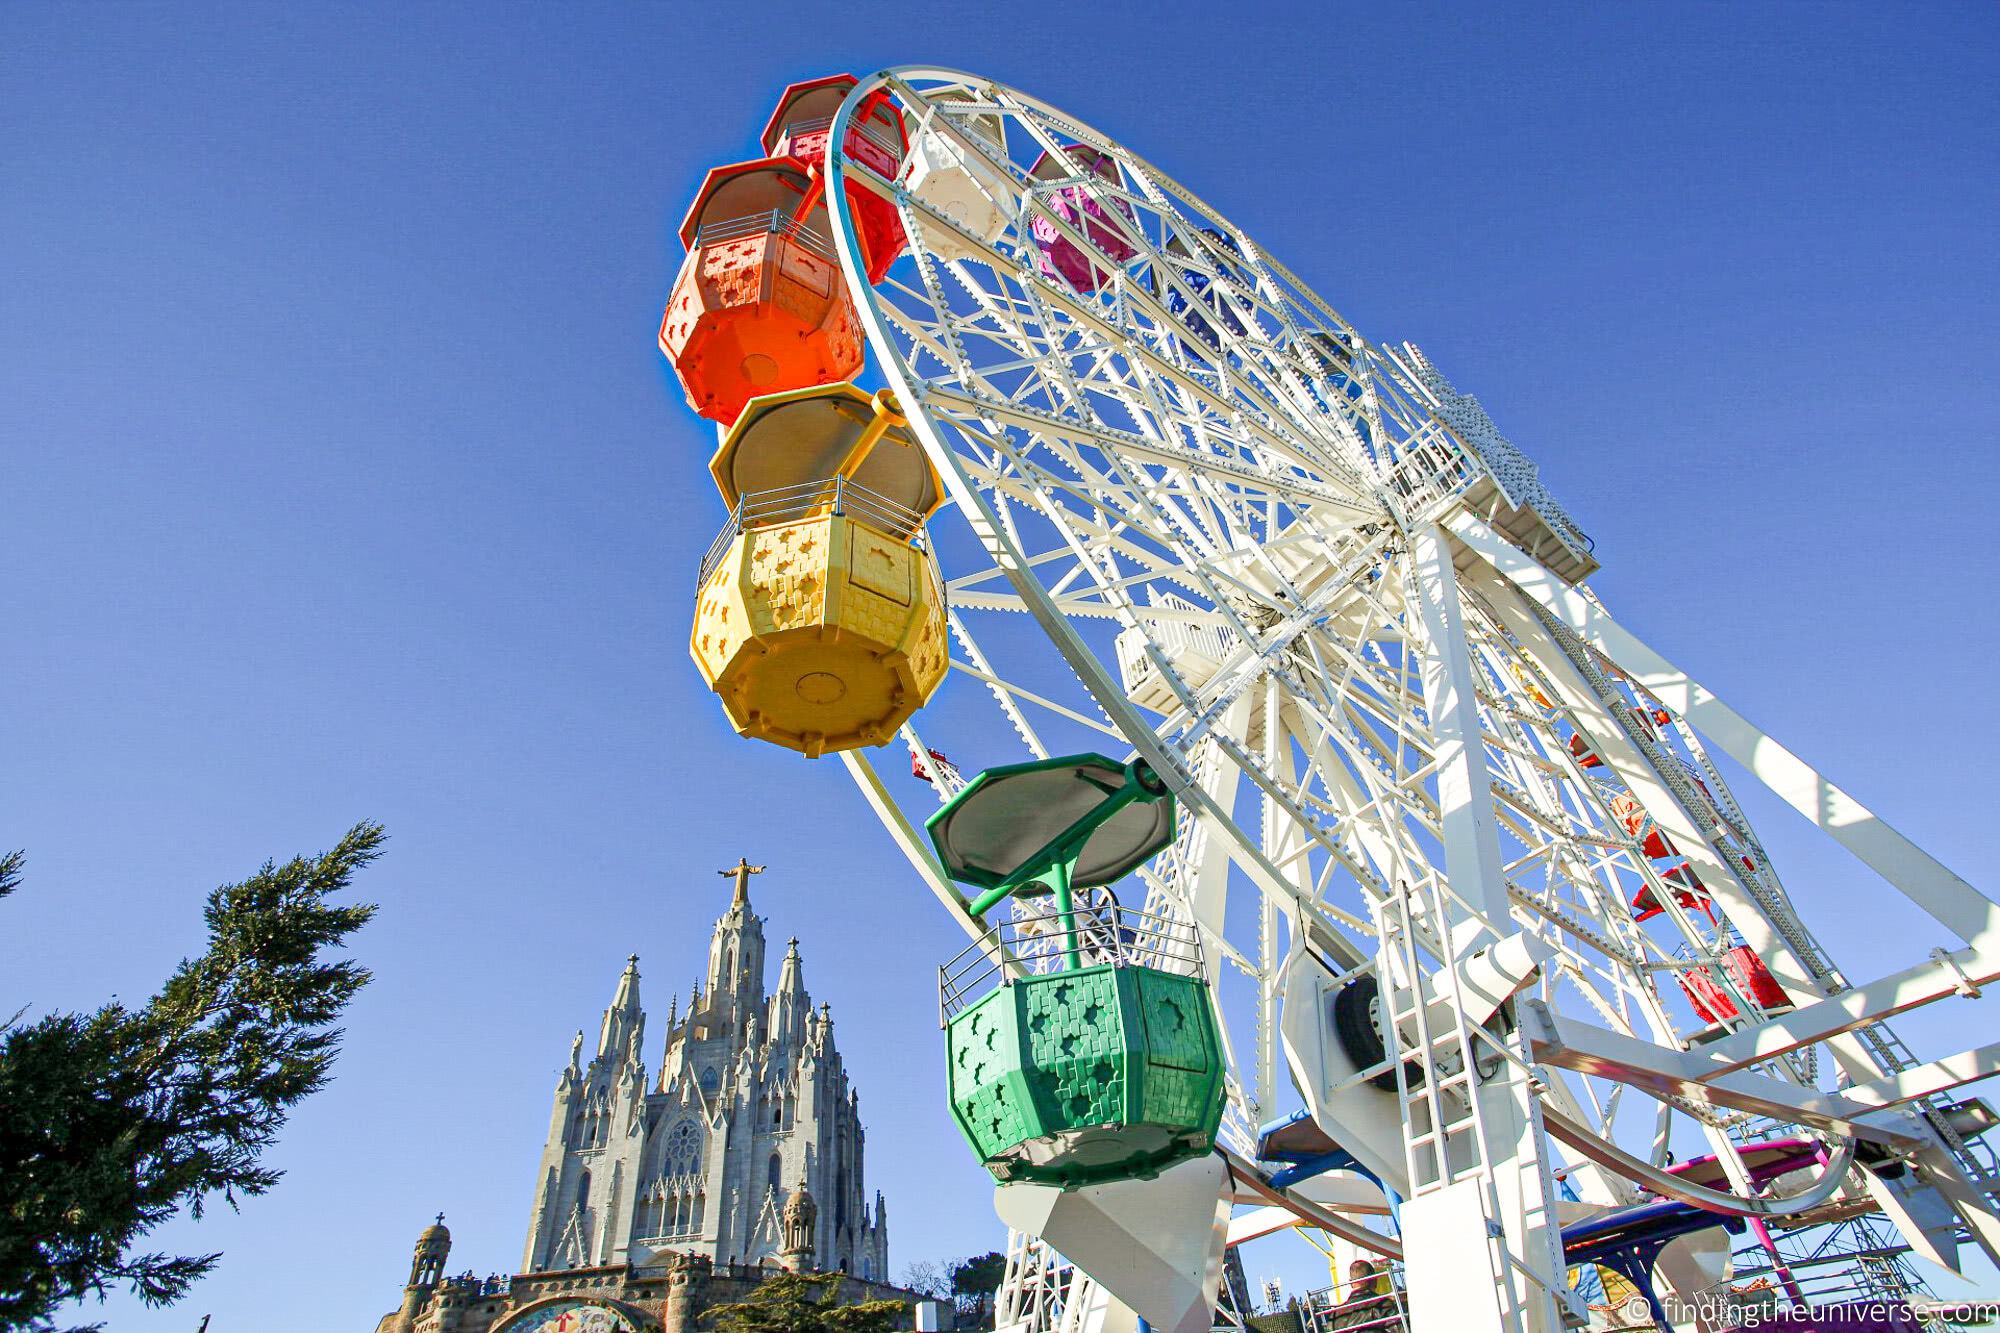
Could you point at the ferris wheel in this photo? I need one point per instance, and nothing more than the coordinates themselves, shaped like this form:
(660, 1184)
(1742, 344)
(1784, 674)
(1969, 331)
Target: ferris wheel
(1299, 728)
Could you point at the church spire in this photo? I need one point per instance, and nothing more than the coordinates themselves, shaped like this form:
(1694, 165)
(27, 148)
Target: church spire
(789, 982)
(624, 1019)
(790, 1005)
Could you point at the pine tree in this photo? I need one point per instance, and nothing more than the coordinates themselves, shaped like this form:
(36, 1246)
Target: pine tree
(803, 1303)
(113, 1121)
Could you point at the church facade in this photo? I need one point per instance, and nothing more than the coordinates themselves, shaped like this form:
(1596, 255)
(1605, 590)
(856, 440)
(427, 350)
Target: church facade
(660, 1193)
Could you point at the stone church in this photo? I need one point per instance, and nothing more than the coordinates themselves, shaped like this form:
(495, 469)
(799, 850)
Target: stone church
(659, 1195)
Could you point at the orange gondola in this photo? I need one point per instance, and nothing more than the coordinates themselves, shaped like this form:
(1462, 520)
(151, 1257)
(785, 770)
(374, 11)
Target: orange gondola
(760, 306)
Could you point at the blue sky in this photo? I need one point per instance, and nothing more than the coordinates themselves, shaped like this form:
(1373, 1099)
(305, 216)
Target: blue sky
(343, 479)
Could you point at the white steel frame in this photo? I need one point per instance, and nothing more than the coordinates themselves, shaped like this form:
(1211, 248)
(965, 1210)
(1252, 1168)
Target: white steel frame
(1375, 687)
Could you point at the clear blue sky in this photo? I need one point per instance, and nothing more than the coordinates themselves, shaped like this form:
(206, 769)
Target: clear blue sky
(342, 479)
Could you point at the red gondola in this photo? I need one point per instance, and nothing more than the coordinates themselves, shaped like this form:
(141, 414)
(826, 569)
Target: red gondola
(921, 770)
(1645, 906)
(876, 140)
(1752, 978)
(1639, 824)
(1683, 876)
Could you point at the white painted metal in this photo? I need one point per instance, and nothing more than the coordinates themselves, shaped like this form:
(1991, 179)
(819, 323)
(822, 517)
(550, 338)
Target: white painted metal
(1201, 520)
(1155, 1244)
(1456, 1277)
(1955, 904)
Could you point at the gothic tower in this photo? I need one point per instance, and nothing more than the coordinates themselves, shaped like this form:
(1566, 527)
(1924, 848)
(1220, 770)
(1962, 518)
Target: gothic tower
(590, 1162)
(751, 1108)
(426, 1271)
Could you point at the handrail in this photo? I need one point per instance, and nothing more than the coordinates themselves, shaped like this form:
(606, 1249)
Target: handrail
(775, 221)
(872, 135)
(831, 495)
(1107, 935)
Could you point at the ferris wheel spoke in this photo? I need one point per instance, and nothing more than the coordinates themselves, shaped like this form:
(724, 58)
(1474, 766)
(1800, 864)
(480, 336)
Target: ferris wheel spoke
(1665, 807)
(1203, 404)
(1026, 483)
(1134, 498)
(1936, 890)
(1040, 701)
(971, 405)
(1004, 698)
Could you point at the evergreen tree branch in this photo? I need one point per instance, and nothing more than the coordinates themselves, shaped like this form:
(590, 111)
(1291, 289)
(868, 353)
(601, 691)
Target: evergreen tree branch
(803, 1303)
(112, 1122)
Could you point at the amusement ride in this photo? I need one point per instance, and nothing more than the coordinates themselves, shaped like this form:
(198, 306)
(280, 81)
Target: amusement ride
(1342, 865)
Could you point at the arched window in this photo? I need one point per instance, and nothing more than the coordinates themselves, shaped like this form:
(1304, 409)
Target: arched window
(710, 1080)
(583, 1189)
(773, 1172)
